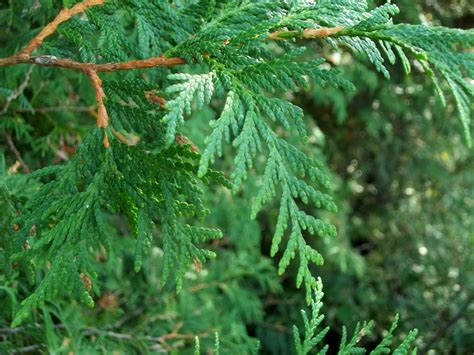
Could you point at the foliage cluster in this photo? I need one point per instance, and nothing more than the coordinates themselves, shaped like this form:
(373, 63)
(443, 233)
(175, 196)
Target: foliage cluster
(100, 202)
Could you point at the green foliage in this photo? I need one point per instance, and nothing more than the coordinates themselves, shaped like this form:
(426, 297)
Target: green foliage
(199, 88)
(437, 47)
(313, 337)
(150, 200)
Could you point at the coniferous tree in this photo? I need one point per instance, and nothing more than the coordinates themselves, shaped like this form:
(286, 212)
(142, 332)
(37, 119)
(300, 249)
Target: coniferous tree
(140, 69)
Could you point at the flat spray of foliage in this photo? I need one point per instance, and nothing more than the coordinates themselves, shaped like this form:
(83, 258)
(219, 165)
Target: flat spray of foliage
(242, 56)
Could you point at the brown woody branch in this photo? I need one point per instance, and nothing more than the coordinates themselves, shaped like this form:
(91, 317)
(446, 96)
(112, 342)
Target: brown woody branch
(52, 61)
(102, 116)
(50, 28)
(24, 55)
(16, 153)
(91, 69)
(309, 33)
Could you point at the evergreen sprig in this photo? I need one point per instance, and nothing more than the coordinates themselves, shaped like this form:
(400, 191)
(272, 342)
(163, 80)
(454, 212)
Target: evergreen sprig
(313, 337)
(247, 53)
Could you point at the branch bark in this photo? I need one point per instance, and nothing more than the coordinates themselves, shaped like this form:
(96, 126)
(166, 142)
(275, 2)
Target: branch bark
(309, 33)
(50, 28)
(52, 61)
(102, 116)
(91, 69)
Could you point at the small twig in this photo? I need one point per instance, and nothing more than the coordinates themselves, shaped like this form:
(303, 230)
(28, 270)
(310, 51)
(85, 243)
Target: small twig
(127, 138)
(102, 116)
(446, 325)
(127, 317)
(12, 330)
(185, 141)
(323, 32)
(17, 330)
(26, 349)
(56, 109)
(14, 168)
(16, 153)
(150, 96)
(91, 331)
(14, 95)
(204, 286)
(10, 99)
(50, 28)
(61, 153)
(309, 33)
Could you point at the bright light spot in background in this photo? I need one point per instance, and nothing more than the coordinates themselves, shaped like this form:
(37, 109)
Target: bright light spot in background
(423, 250)
(453, 273)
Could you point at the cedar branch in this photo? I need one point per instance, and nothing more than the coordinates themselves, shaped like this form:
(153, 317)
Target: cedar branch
(91, 69)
